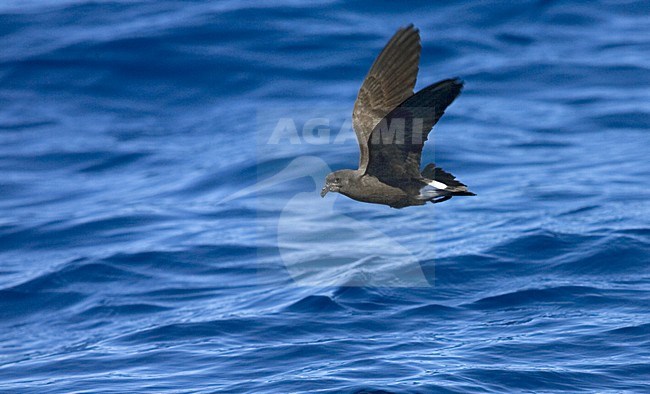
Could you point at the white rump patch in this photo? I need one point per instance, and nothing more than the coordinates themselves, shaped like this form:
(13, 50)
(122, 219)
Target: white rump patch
(432, 189)
(438, 185)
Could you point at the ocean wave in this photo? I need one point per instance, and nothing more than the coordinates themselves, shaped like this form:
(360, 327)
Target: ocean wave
(148, 244)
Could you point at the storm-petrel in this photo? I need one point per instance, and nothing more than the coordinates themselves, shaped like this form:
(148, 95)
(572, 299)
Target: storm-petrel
(392, 124)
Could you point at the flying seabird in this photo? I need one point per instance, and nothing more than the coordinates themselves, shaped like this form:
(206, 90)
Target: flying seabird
(392, 124)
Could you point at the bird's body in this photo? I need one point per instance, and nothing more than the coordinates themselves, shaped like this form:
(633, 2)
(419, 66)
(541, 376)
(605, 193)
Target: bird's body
(367, 188)
(392, 125)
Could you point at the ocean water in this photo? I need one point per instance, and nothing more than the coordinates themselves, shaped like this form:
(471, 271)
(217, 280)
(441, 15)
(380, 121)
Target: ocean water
(154, 237)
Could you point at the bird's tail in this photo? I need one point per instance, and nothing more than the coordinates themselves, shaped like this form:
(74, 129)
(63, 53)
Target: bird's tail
(442, 184)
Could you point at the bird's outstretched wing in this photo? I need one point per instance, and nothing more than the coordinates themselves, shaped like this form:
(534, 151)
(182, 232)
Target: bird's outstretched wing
(395, 144)
(389, 82)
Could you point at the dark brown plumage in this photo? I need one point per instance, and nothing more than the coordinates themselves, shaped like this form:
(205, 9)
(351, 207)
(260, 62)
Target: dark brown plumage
(392, 124)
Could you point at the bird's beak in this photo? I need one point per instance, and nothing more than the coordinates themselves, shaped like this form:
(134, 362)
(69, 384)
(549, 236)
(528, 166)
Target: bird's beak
(324, 191)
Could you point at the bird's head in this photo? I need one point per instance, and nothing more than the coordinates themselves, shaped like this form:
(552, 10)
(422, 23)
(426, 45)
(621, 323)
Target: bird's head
(337, 181)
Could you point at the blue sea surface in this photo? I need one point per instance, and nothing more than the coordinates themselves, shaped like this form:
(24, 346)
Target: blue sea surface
(155, 237)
